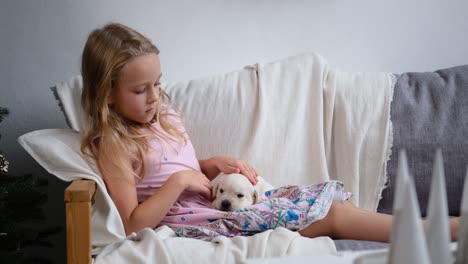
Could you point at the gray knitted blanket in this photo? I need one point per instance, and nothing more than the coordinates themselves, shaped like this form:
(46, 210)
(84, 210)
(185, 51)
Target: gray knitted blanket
(430, 111)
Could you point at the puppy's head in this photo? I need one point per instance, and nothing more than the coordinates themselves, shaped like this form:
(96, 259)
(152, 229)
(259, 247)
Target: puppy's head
(233, 192)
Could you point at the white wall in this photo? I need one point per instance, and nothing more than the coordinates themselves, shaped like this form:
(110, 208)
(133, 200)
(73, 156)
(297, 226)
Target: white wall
(41, 42)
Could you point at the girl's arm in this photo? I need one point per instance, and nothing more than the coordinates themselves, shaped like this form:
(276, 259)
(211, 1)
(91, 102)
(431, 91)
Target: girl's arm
(122, 189)
(214, 166)
(147, 214)
(209, 168)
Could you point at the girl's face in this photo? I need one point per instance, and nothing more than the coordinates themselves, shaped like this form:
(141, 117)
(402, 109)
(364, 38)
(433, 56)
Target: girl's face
(137, 90)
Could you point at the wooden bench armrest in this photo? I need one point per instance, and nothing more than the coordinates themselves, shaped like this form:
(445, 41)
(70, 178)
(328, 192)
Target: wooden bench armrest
(78, 198)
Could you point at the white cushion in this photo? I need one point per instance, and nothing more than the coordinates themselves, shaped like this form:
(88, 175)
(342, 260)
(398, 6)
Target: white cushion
(58, 151)
(68, 94)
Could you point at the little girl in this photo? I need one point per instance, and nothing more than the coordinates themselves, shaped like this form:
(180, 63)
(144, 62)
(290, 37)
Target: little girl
(151, 170)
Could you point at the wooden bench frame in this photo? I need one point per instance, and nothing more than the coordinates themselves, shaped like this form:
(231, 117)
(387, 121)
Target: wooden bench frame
(78, 199)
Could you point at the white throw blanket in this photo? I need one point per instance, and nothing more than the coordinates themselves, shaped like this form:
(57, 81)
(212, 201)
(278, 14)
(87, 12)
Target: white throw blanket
(299, 122)
(163, 246)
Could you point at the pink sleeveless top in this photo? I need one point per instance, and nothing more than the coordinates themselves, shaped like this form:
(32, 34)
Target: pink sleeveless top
(163, 160)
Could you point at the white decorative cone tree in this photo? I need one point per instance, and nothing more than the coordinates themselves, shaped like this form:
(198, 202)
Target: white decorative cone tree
(438, 232)
(462, 251)
(408, 244)
(401, 180)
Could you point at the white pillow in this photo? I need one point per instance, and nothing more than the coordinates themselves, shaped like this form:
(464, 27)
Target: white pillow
(58, 151)
(68, 95)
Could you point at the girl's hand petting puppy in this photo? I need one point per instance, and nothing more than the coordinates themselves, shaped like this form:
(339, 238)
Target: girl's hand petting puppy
(230, 165)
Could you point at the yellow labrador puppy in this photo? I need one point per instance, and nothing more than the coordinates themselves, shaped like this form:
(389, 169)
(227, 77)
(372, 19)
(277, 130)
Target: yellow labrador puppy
(234, 191)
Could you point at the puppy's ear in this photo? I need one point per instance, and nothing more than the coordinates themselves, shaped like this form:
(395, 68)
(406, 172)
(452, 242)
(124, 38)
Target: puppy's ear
(214, 191)
(255, 196)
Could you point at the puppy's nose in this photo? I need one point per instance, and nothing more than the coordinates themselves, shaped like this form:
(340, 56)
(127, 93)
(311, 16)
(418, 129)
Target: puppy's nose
(225, 205)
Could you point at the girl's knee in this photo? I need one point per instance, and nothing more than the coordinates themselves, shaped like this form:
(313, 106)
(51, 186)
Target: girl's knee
(333, 209)
(339, 208)
(333, 215)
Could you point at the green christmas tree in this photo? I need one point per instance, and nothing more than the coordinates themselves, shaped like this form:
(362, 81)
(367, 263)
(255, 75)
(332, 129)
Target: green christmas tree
(3, 161)
(21, 215)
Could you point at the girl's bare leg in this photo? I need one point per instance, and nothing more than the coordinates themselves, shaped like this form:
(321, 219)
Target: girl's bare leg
(346, 221)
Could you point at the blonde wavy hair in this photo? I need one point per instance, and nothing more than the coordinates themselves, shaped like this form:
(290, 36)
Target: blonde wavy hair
(106, 51)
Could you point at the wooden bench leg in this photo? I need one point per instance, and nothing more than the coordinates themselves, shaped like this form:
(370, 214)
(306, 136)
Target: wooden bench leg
(78, 198)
